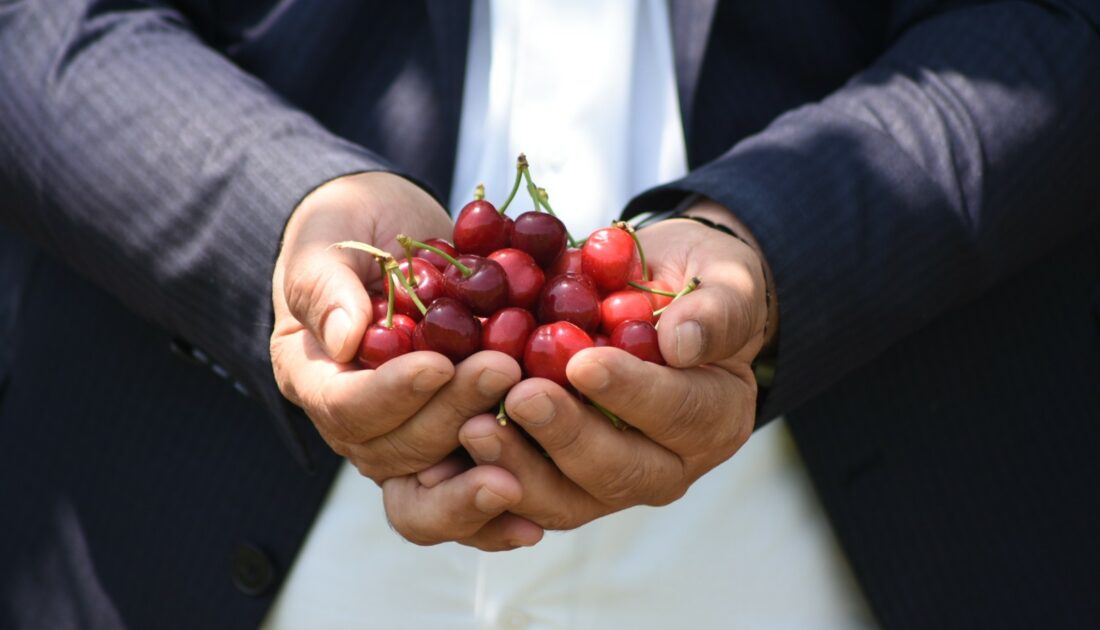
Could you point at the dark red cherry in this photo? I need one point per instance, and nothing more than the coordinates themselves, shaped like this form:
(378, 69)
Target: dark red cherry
(484, 290)
(550, 348)
(572, 298)
(437, 261)
(507, 331)
(380, 344)
(541, 235)
(403, 321)
(449, 329)
(608, 257)
(428, 284)
(525, 278)
(377, 308)
(600, 340)
(480, 229)
(620, 306)
(568, 262)
(638, 338)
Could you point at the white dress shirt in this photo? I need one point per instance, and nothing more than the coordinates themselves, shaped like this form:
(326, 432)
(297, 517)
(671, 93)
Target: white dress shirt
(586, 89)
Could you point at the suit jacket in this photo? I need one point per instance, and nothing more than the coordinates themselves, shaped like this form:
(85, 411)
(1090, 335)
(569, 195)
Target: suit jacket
(920, 175)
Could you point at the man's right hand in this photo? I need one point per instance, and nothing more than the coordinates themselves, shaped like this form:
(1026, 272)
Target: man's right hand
(403, 417)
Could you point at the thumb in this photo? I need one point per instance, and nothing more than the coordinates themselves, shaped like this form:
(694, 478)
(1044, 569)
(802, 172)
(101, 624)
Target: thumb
(326, 294)
(710, 324)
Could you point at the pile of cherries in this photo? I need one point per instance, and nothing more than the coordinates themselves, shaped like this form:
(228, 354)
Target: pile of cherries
(523, 287)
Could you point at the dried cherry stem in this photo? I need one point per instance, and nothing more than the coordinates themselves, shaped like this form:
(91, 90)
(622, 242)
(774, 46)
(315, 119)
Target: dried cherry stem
(389, 294)
(521, 166)
(654, 290)
(363, 247)
(615, 422)
(502, 415)
(691, 286)
(623, 225)
(395, 272)
(405, 241)
(479, 192)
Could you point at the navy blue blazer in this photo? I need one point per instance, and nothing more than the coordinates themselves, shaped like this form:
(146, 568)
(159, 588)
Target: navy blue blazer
(921, 176)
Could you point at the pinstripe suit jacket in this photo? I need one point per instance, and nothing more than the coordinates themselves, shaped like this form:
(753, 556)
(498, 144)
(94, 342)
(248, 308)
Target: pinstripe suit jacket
(922, 177)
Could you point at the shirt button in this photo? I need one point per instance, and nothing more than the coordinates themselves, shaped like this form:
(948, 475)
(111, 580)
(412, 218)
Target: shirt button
(514, 619)
(253, 570)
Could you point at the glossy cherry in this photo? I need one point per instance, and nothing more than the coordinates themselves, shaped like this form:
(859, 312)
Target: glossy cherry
(608, 257)
(572, 298)
(568, 262)
(507, 331)
(638, 338)
(484, 288)
(437, 261)
(541, 235)
(377, 307)
(428, 284)
(380, 344)
(480, 229)
(549, 349)
(525, 278)
(600, 340)
(404, 321)
(448, 328)
(620, 306)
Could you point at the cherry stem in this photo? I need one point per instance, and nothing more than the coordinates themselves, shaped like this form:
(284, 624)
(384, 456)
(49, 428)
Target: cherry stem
(463, 269)
(409, 258)
(615, 422)
(363, 247)
(521, 165)
(389, 295)
(623, 225)
(502, 416)
(655, 290)
(479, 192)
(691, 286)
(392, 269)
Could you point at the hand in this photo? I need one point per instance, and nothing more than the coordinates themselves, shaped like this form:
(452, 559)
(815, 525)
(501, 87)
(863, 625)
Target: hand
(685, 419)
(403, 417)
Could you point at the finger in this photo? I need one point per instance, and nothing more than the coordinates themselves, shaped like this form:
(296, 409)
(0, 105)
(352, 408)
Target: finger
(712, 323)
(550, 499)
(453, 509)
(323, 290)
(619, 468)
(451, 466)
(479, 383)
(358, 405)
(691, 411)
(507, 531)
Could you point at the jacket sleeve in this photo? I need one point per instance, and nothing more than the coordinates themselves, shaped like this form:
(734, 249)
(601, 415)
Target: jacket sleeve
(967, 151)
(157, 168)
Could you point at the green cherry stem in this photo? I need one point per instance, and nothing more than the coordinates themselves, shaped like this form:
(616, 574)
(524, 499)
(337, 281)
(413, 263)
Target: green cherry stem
(389, 294)
(394, 272)
(521, 166)
(544, 201)
(409, 258)
(615, 422)
(691, 286)
(623, 225)
(642, 287)
(405, 241)
(479, 192)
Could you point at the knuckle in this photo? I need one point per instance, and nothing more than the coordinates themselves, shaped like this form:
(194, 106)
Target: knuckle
(408, 452)
(626, 487)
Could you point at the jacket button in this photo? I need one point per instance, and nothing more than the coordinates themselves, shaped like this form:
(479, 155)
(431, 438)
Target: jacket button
(253, 570)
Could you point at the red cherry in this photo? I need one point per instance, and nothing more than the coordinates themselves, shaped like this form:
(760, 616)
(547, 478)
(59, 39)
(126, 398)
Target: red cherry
(568, 262)
(525, 279)
(428, 284)
(607, 257)
(601, 340)
(449, 329)
(638, 338)
(507, 331)
(403, 321)
(623, 305)
(437, 261)
(550, 348)
(480, 229)
(484, 290)
(572, 298)
(380, 344)
(541, 235)
(377, 308)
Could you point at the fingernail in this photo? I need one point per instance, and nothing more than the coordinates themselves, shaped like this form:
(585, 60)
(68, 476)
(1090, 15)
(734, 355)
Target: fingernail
(489, 502)
(428, 380)
(536, 410)
(486, 448)
(592, 376)
(492, 383)
(335, 331)
(689, 342)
